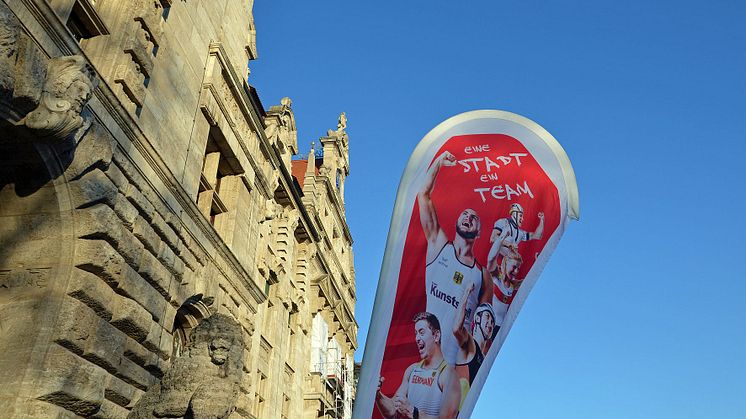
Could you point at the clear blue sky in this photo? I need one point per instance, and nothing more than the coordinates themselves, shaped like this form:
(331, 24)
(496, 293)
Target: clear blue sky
(641, 312)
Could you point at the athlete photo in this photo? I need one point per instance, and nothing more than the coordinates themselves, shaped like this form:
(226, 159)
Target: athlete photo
(508, 232)
(429, 388)
(504, 276)
(504, 261)
(474, 344)
(451, 264)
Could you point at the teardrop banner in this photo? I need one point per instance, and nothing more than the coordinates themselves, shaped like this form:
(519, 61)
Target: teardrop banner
(481, 206)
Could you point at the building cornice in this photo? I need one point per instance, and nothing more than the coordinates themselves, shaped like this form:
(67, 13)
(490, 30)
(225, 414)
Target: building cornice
(338, 206)
(247, 104)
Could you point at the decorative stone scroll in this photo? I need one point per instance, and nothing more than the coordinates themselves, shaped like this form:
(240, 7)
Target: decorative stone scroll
(204, 381)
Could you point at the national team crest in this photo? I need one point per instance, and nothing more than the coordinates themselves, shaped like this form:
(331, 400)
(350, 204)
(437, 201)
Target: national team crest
(458, 277)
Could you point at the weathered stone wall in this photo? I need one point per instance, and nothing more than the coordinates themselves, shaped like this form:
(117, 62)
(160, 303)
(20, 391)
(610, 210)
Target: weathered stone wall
(109, 256)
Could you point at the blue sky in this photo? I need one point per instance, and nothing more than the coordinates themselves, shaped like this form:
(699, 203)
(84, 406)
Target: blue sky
(640, 313)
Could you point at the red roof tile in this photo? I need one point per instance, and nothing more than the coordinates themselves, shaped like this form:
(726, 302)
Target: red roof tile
(298, 170)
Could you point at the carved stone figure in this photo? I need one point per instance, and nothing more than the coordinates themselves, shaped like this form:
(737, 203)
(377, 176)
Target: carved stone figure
(266, 260)
(271, 210)
(342, 122)
(279, 125)
(340, 133)
(204, 381)
(272, 132)
(69, 84)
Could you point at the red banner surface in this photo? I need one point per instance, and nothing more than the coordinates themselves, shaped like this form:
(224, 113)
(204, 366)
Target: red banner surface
(481, 217)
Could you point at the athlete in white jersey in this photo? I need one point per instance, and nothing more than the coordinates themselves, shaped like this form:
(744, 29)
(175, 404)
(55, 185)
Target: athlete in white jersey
(508, 232)
(451, 265)
(429, 388)
(446, 278)
(504, 261)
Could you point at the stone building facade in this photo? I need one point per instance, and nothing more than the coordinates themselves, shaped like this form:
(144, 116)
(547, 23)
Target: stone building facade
(143, 188)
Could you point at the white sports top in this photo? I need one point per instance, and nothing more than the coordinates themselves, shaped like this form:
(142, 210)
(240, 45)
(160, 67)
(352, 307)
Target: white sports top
(446, 279)
(501, 300)
(515, 234)
(423, 391)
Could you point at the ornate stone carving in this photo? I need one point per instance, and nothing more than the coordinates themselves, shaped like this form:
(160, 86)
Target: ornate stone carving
(140, 46)
(280, 127)
(69, 84)
(251, 45)
(8, 37)
(149, 13)
(266, 261)
(271, 210)
(272, 133)
(290, 219)
(340, 134)
(204, 381)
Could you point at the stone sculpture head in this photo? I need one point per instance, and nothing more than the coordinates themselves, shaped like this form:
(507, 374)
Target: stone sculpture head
(219, 337)
(69, 84)
(203, 381)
